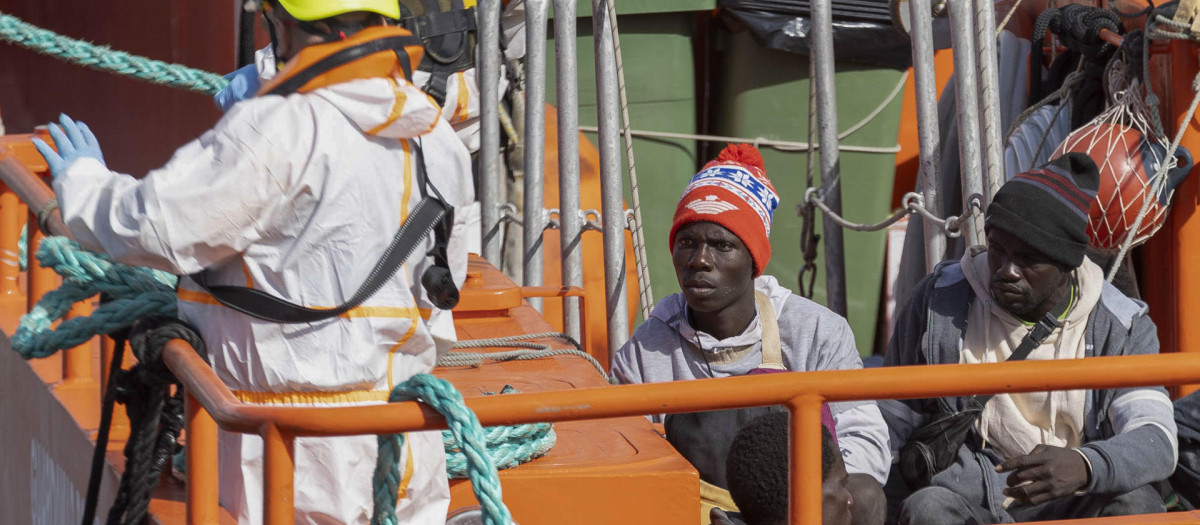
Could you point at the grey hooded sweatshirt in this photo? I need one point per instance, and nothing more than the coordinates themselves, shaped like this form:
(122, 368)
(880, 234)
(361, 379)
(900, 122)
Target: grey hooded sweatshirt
(667, 348)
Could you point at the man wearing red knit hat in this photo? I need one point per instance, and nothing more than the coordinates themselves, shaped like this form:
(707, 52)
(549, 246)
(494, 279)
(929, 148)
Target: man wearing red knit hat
(731, 320)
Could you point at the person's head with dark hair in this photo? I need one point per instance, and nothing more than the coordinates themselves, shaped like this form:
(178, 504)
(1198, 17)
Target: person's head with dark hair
(1036, 229)
(757, 471)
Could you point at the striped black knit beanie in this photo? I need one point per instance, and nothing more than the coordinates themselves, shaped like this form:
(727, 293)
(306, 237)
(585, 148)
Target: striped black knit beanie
(1047, 208)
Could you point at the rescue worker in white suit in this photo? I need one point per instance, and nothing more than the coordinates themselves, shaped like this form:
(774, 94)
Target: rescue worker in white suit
(296, 196)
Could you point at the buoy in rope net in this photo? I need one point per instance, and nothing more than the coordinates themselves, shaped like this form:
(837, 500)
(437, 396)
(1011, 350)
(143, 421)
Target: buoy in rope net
(1127, 162)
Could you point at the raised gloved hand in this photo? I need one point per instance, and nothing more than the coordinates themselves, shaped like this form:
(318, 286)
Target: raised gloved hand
(74, 141)
(243, 84)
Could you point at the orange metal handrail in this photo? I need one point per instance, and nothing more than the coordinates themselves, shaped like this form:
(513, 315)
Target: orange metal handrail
(32, 191)
(802, 393)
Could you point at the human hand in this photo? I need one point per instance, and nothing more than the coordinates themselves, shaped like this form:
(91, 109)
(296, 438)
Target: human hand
(74, 141)
(243, 84)
(1047, 473)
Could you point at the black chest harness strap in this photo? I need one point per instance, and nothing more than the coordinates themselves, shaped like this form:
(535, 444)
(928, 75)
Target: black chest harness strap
(432, 213)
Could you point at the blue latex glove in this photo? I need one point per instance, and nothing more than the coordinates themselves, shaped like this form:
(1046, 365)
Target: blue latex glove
(74, 140)
(243, 84)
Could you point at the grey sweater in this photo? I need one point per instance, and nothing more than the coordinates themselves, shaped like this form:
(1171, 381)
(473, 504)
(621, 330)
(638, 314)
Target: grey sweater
(1130, 433)
(667, 348)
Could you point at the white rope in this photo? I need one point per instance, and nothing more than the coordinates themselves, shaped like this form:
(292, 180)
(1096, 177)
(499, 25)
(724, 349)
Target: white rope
(530, 351)
(1069, 84)
(645, 294)
(783, 145)
(878, 109)
(1011, 11)
(913, 203)
(1181, 31)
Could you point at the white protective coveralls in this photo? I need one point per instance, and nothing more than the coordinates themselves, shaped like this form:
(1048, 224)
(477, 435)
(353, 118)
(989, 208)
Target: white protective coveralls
(298, 197)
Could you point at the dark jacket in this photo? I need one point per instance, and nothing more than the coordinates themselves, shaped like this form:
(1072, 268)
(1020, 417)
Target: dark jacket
(1129, 443)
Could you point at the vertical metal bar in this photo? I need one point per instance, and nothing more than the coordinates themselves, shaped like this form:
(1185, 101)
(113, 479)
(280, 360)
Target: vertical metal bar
(925, 83)
(535, 143)
(119, 429)
(279, 468)
(823, 82)
(41, 280)
(989, 76)
(10, 237)
(202, 481)
(77, 361)
(963, 41)
(489, 123)
(645, 293)
(611, 195)
(570, 226)
(804, 467)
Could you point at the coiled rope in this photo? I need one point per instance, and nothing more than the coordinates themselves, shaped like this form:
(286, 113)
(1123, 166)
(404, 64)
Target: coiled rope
(466, 431)
(532, 351)
(508, 446)
(153, 398)
(131, 292)
(13, 29)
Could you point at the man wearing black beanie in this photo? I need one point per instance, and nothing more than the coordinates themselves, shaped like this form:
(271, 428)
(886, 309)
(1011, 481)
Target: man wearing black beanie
(1040, 455)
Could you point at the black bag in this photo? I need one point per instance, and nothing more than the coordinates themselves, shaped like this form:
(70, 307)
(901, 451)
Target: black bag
(933, 447)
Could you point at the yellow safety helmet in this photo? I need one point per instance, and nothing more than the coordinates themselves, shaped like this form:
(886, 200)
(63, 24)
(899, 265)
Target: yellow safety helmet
(310, 10)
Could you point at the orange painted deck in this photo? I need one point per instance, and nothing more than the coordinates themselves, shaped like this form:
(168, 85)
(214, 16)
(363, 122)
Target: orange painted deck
(595, 464)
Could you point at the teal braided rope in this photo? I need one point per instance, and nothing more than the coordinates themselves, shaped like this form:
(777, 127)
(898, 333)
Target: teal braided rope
(508, 446)
(79, 266)
(134, 292)
(104, 58)
(442, 396)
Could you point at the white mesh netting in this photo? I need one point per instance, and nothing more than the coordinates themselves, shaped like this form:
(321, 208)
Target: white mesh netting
(1130, 155)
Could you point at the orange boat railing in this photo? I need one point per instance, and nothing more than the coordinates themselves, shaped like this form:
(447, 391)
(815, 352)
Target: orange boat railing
(211, 404)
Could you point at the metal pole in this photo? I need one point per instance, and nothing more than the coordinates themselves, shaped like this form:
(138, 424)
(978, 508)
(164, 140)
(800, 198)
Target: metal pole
(804, 447)
(989, 76)
(279, 475)
(570, 226)
(823, 82)
(203, 485)
(645, 293)
(535, 144)
(963, 41)
(611, 196)
(489, 116)
(925, 81)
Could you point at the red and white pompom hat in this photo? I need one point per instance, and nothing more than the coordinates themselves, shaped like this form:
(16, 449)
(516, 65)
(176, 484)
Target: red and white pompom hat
(734, 192)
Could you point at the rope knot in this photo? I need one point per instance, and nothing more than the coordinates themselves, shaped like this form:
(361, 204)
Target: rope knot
(148, 337)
